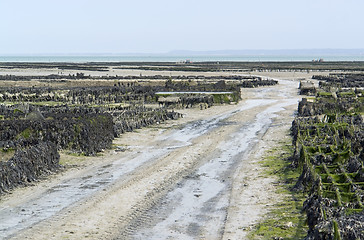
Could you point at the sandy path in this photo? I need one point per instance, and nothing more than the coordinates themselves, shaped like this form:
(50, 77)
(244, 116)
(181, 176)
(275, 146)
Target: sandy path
(252, 192)
(185, 180)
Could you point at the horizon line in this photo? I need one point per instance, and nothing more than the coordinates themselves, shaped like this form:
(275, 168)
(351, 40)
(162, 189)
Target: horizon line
(296, 51)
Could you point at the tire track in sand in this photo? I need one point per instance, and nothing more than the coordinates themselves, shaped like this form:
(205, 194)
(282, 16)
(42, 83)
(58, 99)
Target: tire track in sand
(105, 213)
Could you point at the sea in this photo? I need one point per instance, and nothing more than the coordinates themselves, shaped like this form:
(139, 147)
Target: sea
(180, 58)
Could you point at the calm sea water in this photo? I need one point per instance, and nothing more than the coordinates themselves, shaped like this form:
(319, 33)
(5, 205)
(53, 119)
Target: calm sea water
(165, 58)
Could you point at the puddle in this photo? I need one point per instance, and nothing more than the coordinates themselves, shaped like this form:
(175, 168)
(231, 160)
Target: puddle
(197, 207)
(199, 128)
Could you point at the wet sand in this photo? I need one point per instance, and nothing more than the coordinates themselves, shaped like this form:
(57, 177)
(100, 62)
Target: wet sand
(195, 178)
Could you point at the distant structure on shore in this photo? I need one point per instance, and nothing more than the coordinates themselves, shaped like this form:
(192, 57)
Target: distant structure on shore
(187, 61)
(318, 60)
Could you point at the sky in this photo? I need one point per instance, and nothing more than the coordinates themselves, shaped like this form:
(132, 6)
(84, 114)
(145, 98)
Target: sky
(159, 26)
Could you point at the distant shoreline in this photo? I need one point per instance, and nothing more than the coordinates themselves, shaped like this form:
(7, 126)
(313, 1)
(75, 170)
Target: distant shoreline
(181, 58)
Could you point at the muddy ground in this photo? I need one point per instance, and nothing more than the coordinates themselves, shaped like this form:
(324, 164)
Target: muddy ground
(194, 178)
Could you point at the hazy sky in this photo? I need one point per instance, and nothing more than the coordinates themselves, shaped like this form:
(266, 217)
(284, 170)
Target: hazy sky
(118, 26)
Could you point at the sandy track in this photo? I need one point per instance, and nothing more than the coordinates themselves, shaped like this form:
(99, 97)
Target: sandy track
(166, 185)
